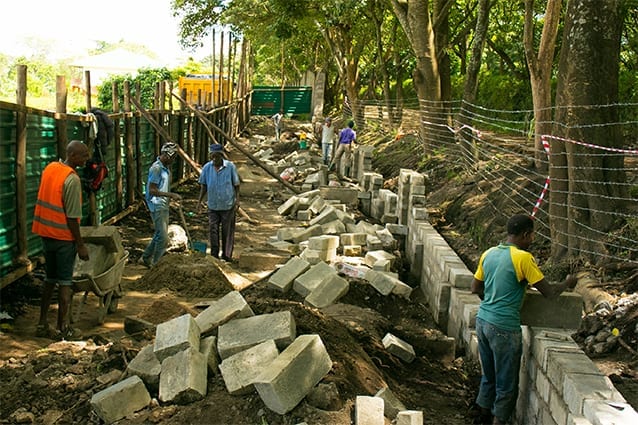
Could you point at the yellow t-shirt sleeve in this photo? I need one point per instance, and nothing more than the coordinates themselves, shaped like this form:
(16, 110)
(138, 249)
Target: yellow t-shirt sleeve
(526, 267)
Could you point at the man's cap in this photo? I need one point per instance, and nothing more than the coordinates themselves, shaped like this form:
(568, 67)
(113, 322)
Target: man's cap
(328, 119)
(170, 149)
(216, 148)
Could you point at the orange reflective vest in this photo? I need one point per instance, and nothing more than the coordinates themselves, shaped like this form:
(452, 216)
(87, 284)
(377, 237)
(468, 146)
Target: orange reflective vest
(49, 218)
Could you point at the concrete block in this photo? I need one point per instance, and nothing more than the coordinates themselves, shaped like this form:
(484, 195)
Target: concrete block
(323, 242)
(560, 365)
(399, 348)
(283, 278)
(557, 407)
(364, 227)
(313, 256)
(316, 205)
(352, 250)
(335, 227)
(264, 260)
(240, 370)
(241, 334)
(208, 347)
(460, 277)
(402, 290)
(345, 195)
(107, 236)
(383, 283)
(577, 420)
(184, 377)
(545, 341)
(305, 234)
(288, 233)
(391, 404)
(327, 292)
(120, 400)
(176, 335)
(372, 257)
(328, 214)
(541, 312)
(308, 281)
(607, 413)
(353, 238)
(292, 375)
(577, 388)
(369, 411)
(410, 417)
(230, 306)
(289, 206)
(283, 246)
(146, 366)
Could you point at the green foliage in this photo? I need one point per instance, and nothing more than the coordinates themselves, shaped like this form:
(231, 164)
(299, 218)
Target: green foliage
(146, 79)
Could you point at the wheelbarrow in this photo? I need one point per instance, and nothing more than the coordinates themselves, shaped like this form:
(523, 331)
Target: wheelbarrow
(106, 286)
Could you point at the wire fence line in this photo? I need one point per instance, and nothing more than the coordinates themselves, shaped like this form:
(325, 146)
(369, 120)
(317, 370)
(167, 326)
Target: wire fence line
(497, 148)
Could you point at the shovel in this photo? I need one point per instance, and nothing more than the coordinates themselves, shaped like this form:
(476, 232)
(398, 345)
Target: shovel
(189, 244)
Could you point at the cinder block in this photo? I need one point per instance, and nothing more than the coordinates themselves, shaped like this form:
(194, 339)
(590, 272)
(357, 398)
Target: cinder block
(241, 334)
(410, 417)
(230, 306)
(401, 349)
(541, 312)
(323, 242)
(283, 278)
(146, 366)
(293, 374)
(368, 411)
(308, 281)
(577, 388)
(184, 377)
(327, 292)
(353, 238)
(208, 347)
(176, 335)
(391, 404)
(240, 370)
(559, 365)
(383, 283)
(352, 250)
(605, 413)
(120, 400)
(265, 260)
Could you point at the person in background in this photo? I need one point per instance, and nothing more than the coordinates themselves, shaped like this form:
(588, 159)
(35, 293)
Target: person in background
(56, 219)
(219, 184)
(277, 120)
(158, 198)
(503, 274)
(347, 136)
(327, 140)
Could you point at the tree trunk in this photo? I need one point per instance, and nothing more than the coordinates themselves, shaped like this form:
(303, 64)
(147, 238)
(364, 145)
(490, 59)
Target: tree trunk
(586, 96)
(474, 66)
(414, 16)
(540, 69)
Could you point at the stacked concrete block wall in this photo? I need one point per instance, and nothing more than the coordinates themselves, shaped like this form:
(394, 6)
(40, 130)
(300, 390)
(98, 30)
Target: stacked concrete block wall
(559, 384)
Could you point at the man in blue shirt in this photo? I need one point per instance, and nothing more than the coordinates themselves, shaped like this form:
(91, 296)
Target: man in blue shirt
(158, 196)
(220, 185)
(503, 274)
(347, 136)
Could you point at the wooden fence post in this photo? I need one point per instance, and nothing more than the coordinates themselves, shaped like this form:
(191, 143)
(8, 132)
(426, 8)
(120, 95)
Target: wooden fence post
(60, 117)
(21, 162)
(128, 147)
(117, 148)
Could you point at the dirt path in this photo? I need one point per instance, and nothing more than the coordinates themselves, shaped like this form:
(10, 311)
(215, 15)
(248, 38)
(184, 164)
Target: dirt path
(53, 382)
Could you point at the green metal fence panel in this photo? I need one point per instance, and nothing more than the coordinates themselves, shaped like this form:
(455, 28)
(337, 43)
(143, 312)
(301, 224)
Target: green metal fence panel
(267, 100)
(8, 206)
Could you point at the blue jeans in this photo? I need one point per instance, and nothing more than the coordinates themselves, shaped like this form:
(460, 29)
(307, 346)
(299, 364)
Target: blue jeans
(500, 351)
(326, 148)
(157, 247)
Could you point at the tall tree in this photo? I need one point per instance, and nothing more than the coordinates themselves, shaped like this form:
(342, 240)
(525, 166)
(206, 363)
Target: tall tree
(474, 65)
(582, 201)
(540, 69)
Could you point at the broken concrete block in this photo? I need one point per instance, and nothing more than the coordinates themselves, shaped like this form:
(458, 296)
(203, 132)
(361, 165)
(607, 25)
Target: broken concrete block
(335, 227)
(373, 243)
(307, 233)
(146, 366)
(240, 370)
(135, 326)
(401, 289)
(176, 335)
(328, 292)
(283, 278)
(292, 375)
(266, 259)
(369, 411)
(328, 214)
(391, 404)
(304, 215)
(208, 347)
(353, 238)
(399, 348)
(184, 377)
(288, 207)
(352, 250)
(230, 306)
(373, 257)
(314, 256)
(241, 334)
(288, 233)
(120, 400)
(283, 246)
(308, 281)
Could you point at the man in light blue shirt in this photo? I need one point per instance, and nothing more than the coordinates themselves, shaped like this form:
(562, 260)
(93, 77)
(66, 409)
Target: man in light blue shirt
(158, 196)
(219, 183)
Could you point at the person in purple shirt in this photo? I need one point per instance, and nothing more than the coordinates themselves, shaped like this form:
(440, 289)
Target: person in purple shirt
(219, 183)
(347, 136)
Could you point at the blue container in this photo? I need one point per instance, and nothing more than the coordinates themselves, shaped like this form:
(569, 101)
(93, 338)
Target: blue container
(200, 246)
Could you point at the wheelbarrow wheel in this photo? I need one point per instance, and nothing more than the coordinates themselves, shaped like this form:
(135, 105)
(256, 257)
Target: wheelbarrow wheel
(112, 304)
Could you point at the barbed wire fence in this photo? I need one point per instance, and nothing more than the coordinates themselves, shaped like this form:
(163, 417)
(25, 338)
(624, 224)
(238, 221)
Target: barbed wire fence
(497, 148)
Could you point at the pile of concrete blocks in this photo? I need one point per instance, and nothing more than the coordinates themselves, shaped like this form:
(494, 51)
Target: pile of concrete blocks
(249, 352)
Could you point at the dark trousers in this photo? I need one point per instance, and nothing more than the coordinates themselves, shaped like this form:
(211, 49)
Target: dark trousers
(224, 220)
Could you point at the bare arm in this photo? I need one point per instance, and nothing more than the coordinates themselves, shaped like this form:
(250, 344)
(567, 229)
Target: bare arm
(153, 189)
(74, 227)
(552, 291)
